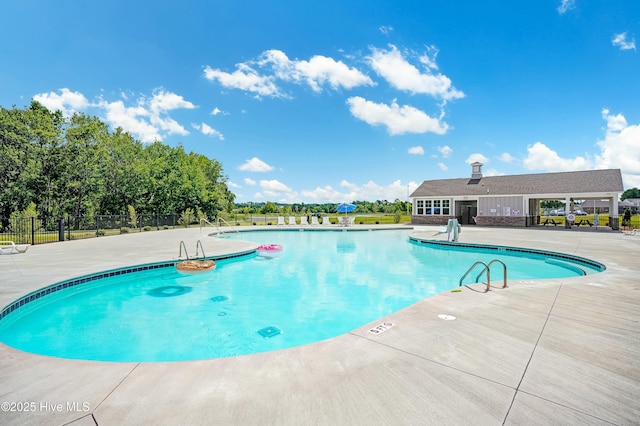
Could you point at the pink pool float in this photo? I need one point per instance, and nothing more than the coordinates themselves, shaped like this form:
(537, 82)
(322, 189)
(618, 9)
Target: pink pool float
(269, 250)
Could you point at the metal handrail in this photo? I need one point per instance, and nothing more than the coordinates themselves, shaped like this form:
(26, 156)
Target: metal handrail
(227, 223)
(504, 284)
(487, 269)
(203, 221)
(182, 245)
(199, 244)
(479, 262)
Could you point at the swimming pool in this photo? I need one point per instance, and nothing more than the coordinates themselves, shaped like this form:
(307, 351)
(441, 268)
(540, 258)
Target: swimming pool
(323, 284)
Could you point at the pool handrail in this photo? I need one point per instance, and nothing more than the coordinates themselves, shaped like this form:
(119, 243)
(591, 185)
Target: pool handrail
(487, 268)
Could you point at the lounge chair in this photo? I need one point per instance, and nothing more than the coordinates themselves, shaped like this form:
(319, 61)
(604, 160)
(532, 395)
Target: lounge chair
(326, 220)
(314, 220)
(292, 220)
(281, 220)
(303, 220)
(9, 247)
(341, 221)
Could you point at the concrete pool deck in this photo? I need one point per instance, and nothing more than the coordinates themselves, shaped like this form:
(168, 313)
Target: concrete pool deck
(559, 351)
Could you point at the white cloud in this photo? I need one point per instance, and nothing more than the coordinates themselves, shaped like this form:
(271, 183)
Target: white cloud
(244, 78)
(274, 186)
(492, 172)
(541, 157)
(325, 194)
(208, 130)
(443, 167)
(67, 102)
(429, 58)
(255, 165)
(385, 29)
(615, 123)
(393, 67)
(566, 5)
(506, 157)
(397, 119)
(445, 151)
(131, 119)
(162, 102)
(477, 158)
(620, 149)
(347, 184)
(317, 71)
(369, 191)
(217, 111)
(149, 119)
(620, 40)
(250, 182)
(233, 184)
(416, 150)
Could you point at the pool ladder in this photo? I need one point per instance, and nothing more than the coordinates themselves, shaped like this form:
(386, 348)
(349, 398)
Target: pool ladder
(198, 247)
(486, 268)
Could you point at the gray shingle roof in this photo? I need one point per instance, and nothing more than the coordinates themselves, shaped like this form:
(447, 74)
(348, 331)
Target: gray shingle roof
(597, 181)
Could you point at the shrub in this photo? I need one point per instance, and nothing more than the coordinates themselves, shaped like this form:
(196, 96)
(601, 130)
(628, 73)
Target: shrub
(100, 232)
(186, 218)
(165, 227)
(146, 228)
(133, 218)
(124, 230)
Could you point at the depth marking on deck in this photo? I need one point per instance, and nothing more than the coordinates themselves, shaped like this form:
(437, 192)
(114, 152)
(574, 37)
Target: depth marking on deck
(381, 328)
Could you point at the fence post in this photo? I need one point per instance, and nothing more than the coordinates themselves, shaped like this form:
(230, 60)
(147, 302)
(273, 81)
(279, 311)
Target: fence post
(61, 229)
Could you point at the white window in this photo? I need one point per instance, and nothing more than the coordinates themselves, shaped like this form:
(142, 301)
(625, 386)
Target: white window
(433, 207)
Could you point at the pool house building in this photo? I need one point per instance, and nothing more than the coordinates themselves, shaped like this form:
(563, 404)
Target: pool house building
(512, 200)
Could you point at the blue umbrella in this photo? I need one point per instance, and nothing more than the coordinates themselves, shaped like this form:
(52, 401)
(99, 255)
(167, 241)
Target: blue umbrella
(345, 208)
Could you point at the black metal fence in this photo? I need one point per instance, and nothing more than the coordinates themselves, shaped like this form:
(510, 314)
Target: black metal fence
(41, 230)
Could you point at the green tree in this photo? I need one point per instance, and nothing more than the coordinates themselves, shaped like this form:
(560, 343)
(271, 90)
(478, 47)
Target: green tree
(630, 193)
(269, 207)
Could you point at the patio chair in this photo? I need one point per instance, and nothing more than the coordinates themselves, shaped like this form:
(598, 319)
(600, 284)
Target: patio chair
(303, 220)
(281, 220)
(326, 220)
(292, 220)
(314, 220)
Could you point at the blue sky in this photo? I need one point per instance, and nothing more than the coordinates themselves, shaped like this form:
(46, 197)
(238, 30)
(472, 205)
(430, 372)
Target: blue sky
(343, 100)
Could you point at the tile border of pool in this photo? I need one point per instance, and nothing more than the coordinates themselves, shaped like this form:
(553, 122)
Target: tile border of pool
(52, 288)
(500, 248)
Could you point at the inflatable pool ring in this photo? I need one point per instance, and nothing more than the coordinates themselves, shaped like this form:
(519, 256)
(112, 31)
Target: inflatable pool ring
(195, 266)
(269, 248)
(571, 217)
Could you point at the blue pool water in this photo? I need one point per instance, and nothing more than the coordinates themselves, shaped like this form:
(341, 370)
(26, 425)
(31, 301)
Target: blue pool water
(321, 285)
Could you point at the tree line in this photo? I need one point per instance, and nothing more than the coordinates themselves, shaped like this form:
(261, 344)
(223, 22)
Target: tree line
(362, 207)
(57, 165)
